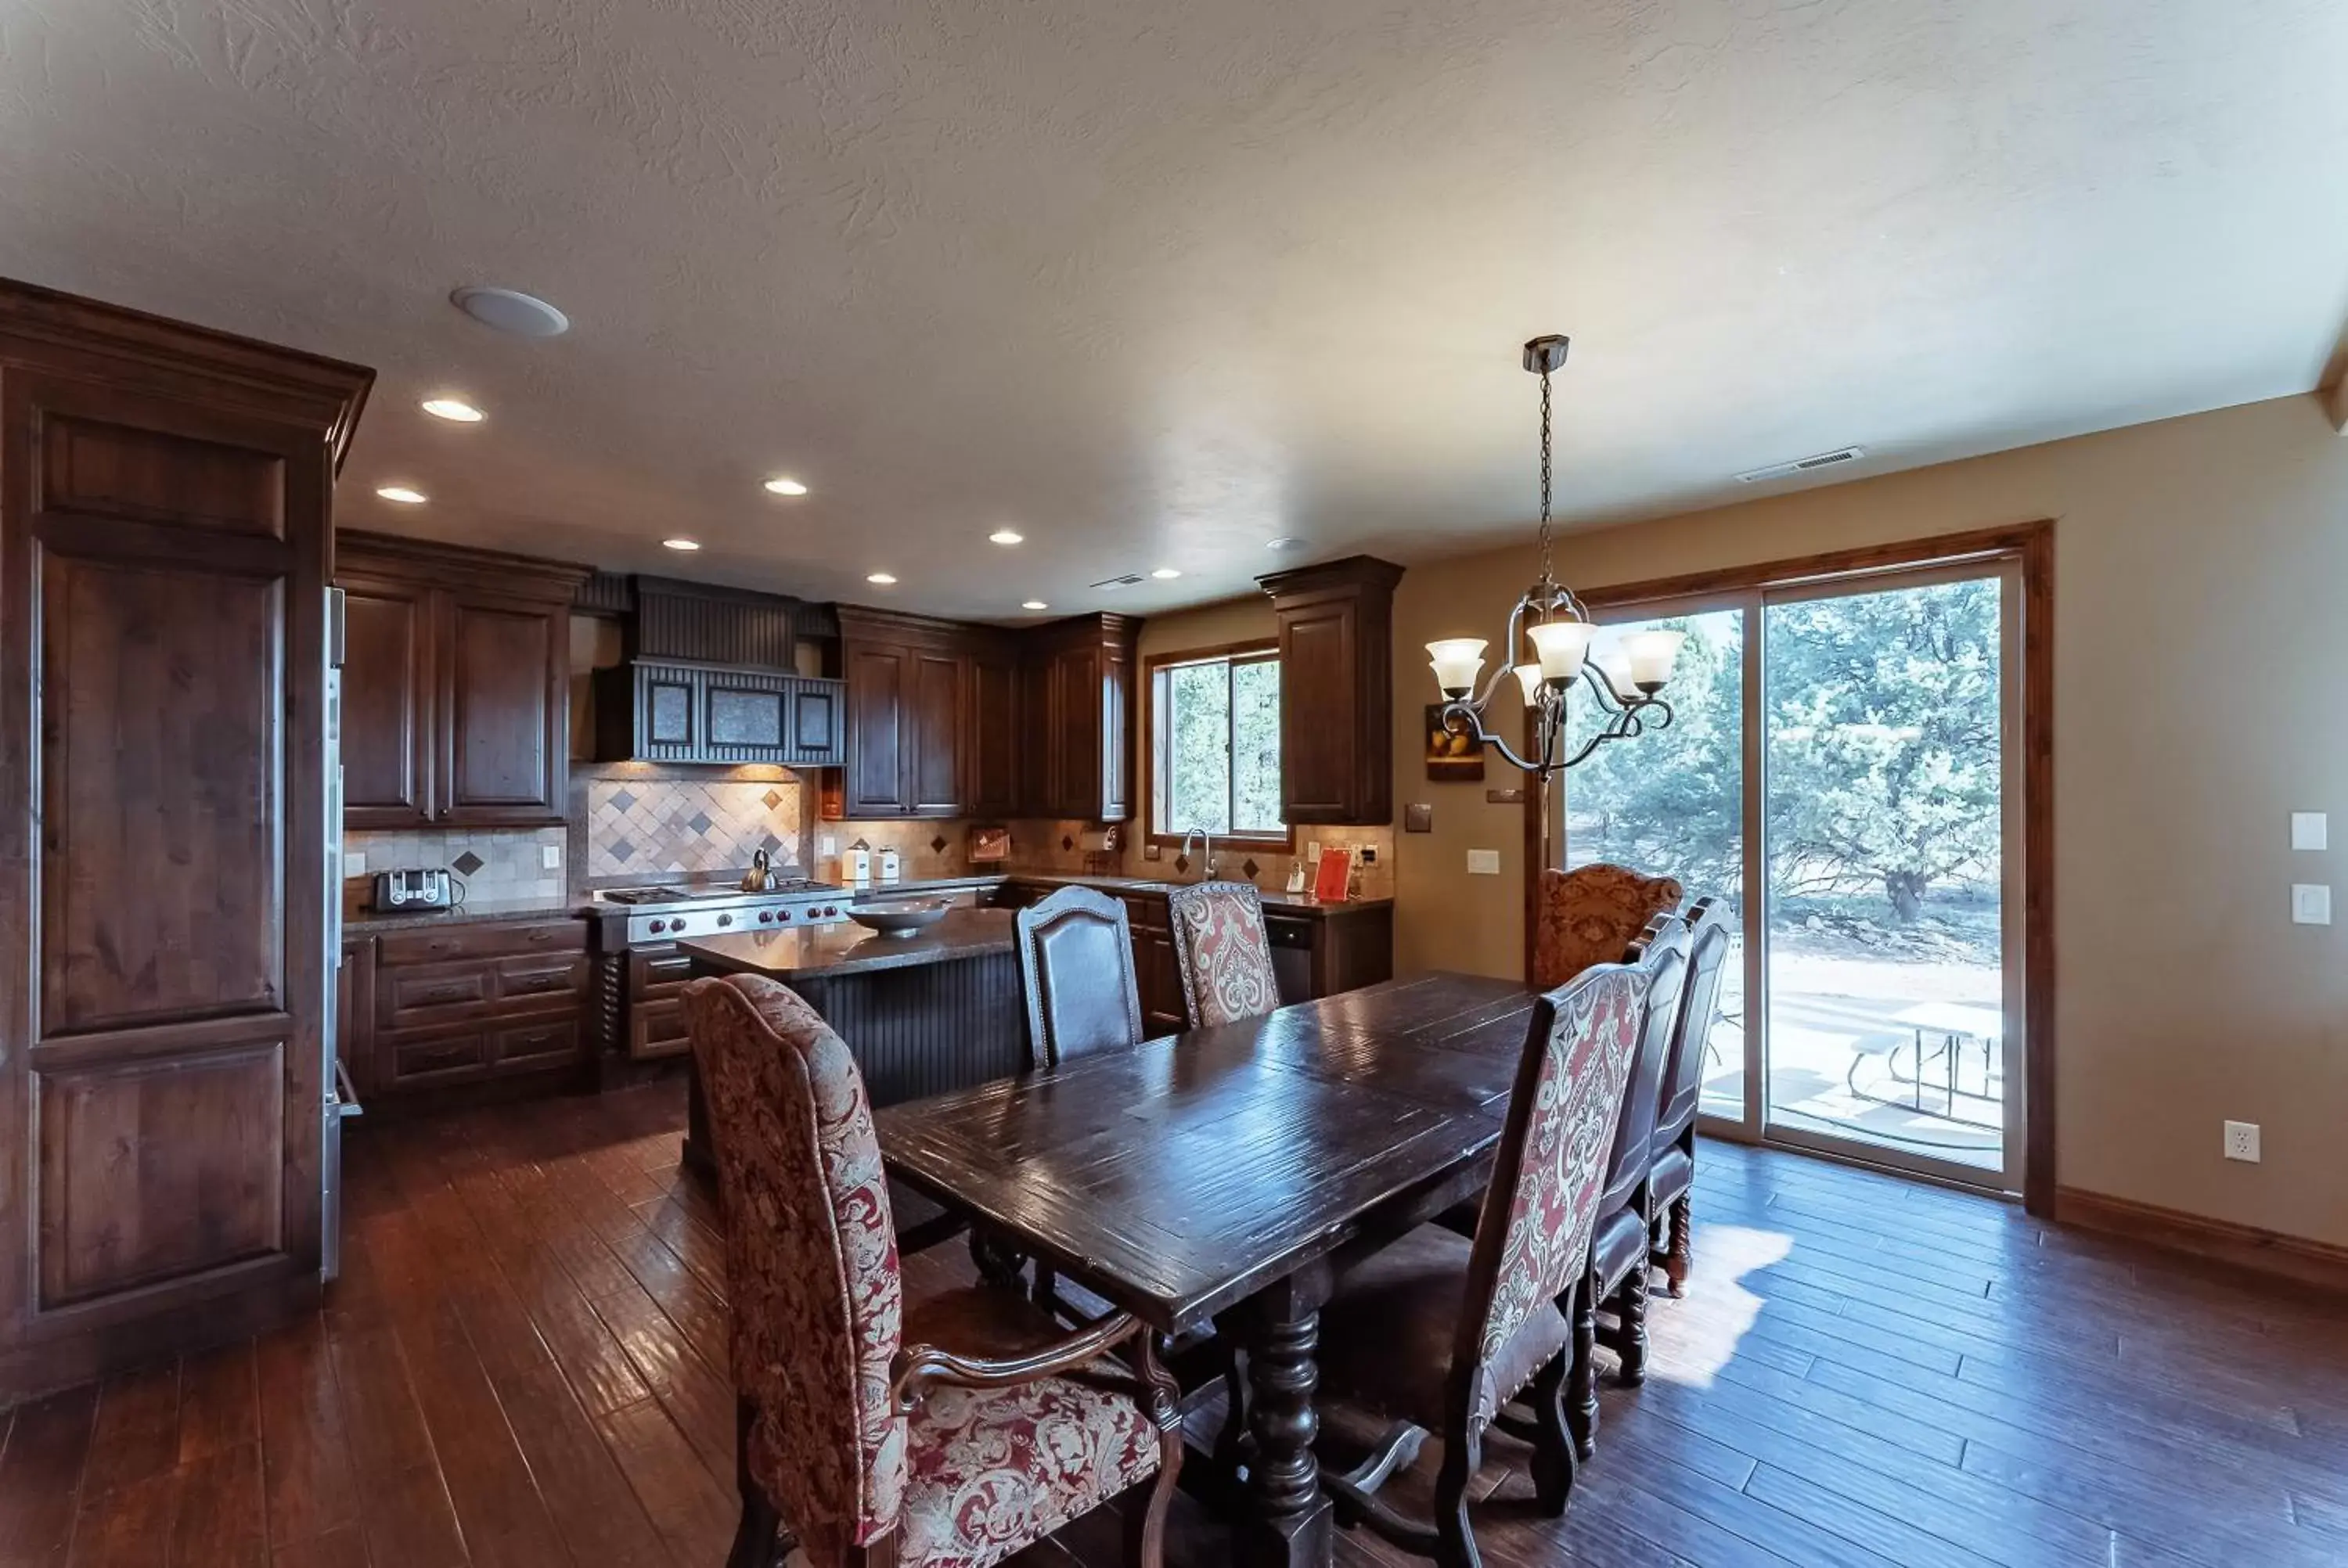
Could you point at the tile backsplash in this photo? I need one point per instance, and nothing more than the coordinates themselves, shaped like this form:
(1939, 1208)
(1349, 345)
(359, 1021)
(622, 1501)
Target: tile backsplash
(655, 826)
(494, 866)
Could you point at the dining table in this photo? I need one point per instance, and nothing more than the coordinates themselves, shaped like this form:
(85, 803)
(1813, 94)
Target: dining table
(1225, 1176)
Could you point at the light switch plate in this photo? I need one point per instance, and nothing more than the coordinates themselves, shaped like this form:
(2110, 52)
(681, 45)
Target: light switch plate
(353, 862)
(2310, 904)
(1483, 863)
(550, 856)
(2310, 830)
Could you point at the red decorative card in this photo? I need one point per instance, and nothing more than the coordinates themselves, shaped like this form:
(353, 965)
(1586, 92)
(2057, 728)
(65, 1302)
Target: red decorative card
(1336, 868)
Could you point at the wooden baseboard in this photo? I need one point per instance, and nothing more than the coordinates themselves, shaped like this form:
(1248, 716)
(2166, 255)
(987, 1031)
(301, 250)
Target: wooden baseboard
(2315, 1263)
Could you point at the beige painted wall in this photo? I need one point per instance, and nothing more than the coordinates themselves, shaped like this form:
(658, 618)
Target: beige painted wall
(2201, 694)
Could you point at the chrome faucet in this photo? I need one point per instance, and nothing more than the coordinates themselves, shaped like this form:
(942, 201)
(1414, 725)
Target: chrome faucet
(1210, 838)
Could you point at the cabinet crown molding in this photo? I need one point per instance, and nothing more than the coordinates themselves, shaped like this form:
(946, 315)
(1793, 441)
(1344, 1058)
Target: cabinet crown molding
(457, 565)
(1348, 571)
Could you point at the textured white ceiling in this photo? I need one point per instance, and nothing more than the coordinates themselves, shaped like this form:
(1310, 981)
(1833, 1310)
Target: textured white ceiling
(1153, 281)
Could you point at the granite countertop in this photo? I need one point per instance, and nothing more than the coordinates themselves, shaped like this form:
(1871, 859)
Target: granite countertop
(1275, 903)
(366, 922)
(848, 949)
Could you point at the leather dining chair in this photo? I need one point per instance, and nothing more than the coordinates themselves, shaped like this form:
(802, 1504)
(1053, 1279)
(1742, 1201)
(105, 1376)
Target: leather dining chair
(1076, 972)
(1433, 1335)
(1619, 1244)
(882, 1453)
(1590, 913)
(1671, 1184)
(1224, 951)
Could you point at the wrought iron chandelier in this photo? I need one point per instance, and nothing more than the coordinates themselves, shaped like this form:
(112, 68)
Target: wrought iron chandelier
(1547, 648)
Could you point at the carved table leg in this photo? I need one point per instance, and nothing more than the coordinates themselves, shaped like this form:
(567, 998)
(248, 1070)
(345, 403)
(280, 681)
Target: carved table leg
(1682, 1251)
(1631, 1307)
(1287, 1522)
(1581, 1378)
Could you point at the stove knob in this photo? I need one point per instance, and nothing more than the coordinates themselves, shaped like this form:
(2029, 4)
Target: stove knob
(829, 910)
(726, 919)
(658, 925)
(782, 914)
(766, 916)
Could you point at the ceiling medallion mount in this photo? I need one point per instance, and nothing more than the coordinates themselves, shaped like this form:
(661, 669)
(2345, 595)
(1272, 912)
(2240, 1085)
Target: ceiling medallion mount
(1548, 646)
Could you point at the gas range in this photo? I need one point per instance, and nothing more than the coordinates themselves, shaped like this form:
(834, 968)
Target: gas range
(664, 913)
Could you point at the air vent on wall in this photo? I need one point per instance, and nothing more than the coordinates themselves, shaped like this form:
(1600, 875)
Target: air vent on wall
(1803, 465)
(1127, 581)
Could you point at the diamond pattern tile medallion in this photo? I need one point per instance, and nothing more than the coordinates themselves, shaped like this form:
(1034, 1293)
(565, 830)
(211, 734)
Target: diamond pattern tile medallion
(623, 799)
(938, 844)
(620, 850)
(468, 863)
(1066, 844)
(773, 798)
(1250, 867)
(698, 821)
(1181, 863)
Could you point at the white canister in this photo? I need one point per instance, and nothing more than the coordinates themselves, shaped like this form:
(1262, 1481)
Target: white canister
(888, 866)
(856, 863)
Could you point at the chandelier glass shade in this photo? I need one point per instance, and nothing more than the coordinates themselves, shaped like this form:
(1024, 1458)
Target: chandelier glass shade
(1548, 650)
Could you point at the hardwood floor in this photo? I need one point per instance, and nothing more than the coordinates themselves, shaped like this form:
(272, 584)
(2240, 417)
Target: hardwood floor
(524, 1365)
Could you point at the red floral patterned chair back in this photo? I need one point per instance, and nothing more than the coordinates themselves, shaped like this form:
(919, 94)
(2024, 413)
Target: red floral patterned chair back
(1532, 1236)
(810, 1257)
(1224, 952)
(1591, 914)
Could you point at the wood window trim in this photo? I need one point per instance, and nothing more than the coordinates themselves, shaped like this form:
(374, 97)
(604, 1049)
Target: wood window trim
(1283, 842)
(2033, 546)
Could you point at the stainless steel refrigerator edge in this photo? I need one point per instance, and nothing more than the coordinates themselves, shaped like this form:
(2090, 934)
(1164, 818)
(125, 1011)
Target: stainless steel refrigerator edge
(341, 1098)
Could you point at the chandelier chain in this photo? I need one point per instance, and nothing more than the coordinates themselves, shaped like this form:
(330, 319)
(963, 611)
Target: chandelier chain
(1546, 575)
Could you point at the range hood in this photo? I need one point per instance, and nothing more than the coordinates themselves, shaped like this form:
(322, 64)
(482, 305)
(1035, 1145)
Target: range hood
(712, 675)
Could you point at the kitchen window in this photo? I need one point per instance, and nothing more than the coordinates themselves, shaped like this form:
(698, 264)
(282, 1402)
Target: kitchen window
(1214, 743)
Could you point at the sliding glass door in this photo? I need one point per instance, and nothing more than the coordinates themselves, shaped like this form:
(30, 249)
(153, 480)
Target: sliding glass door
(1843, 769)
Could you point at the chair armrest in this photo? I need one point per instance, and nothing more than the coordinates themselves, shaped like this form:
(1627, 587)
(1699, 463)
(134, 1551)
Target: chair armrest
(920, 1367)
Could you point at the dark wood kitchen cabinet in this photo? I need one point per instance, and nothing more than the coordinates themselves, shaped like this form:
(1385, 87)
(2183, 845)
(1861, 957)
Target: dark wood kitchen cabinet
(456, 678)
(905, 675)
(166, 517)
(994, 739)
(442, 1007)
(1336, 691)
(1079, 718)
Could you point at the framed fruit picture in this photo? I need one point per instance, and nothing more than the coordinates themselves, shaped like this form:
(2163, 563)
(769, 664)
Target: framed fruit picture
(1452, 757)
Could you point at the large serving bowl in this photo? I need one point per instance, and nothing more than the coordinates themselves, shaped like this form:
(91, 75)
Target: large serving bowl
(899, 917)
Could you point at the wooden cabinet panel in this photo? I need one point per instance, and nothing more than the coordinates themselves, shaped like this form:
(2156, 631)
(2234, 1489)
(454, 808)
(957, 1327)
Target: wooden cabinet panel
(163, 745)
(532, 1044)
(455, 685)
(477, 1002)
(508, 718)
(387, 705)
(993, 741)
(163, 980)
(879, 685)
(1336, 691)
(935, 755)
(128, 1197)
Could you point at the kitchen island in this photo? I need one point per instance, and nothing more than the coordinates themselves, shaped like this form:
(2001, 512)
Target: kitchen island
(924, 1014)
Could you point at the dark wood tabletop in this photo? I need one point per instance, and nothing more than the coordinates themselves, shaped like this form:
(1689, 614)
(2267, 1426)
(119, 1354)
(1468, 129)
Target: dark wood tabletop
(1211, 1174)
(848, 949)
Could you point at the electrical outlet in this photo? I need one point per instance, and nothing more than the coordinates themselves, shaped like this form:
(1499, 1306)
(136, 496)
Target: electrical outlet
(2310, 904)
(353, 862)
(2242, 1142)
(1483, 863)
(1153, 852)
(2310, 830)
(550, 856)
(1369, 855)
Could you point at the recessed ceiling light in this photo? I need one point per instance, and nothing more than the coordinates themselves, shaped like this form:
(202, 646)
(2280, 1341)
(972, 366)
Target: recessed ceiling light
(1165, 572)
(400, 493)
(881, 578)
(782, 484)
(455, 409)
(1005, 537)
(1285, 542)
(681, 544)
(1035, 604)
(511, 311)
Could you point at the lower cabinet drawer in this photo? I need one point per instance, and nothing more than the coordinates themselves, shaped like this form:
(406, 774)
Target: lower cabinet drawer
(658, 1028)
(438, 1058)
(523, 980)
(450, 992)
(538, 1044)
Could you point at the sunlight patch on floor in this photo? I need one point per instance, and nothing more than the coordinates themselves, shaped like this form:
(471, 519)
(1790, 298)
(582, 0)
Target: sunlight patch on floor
(1691, 1347)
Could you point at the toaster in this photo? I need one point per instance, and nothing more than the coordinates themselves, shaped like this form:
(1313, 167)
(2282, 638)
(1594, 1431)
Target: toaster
(408, 891)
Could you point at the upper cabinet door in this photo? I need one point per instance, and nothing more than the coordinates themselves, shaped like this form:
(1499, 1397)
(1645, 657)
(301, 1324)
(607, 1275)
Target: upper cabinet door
(387, 699)
(509, 711)
(992, 746)
(879, 758)
(1336, 690)
(935, 789)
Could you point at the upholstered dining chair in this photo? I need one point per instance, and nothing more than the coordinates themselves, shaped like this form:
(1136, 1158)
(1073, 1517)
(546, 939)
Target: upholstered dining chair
(1223, 952)
(1619, 1242)
(880, 1454)
(1076, 971)
(1434, 1334)
(1672, 1183)
(1590, 913)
